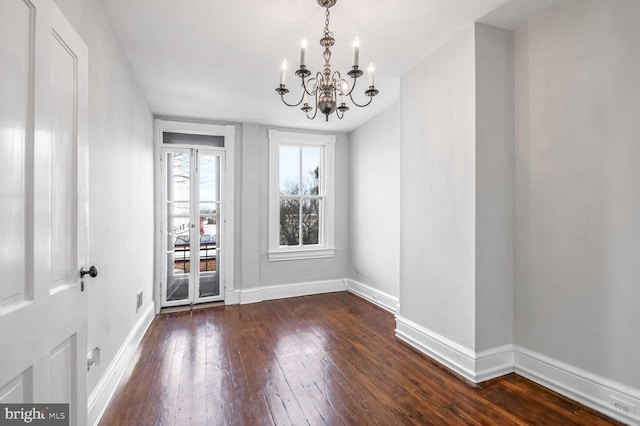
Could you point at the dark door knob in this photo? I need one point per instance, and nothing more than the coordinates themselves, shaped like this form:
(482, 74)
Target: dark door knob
(92, 271)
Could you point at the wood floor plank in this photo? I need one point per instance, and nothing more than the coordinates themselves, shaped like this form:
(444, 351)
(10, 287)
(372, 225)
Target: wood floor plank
(329, 359)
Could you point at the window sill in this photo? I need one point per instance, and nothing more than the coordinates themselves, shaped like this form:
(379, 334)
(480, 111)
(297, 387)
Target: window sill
(277, 256)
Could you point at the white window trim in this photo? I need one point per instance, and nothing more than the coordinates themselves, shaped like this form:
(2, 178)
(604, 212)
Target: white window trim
(326, 248)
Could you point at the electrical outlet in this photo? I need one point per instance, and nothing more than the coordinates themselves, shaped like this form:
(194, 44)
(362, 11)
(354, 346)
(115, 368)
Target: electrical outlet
(139, 300)
(623, 406)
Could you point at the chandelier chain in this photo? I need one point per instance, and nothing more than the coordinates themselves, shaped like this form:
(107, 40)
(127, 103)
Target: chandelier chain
(327, 33)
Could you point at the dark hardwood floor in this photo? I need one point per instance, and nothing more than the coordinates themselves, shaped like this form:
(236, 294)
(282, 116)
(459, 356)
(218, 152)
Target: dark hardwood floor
(326, 359)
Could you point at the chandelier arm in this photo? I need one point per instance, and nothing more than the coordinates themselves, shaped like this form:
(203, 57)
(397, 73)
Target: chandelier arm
(292, 105)
(309, 93)
(351, 86)
(304, 89)
(357, 104)
(315, 110)
(311, 82)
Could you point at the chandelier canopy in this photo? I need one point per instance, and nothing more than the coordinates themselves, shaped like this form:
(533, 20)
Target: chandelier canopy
(324, 88)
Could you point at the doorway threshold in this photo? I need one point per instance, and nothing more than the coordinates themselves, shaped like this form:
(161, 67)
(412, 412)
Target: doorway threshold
(189, 308)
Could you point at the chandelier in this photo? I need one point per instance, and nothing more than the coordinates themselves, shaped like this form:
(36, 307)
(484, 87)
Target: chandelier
(326, 86)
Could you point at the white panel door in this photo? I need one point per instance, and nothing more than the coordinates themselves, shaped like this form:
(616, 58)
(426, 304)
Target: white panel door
(43, 207)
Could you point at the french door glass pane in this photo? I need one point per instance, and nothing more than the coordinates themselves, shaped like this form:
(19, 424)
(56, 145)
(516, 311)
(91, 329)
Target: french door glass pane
(209, 176)
(209, 213)
(178, 250)
(178, 176)
(289, 222)
(310, 221)
(178, 254)
(209, 252)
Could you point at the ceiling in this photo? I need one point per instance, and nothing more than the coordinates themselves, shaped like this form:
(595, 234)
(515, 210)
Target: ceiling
(220, 60)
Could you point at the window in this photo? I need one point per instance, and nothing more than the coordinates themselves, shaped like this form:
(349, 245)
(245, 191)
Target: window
(301, 199)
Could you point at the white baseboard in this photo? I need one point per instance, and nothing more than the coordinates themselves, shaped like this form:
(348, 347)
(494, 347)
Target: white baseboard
(475, 367)
(493, 363)
(601, 394)
(583, 386)
(373, 295)
(283, 291)
(445, 351)
(232, 297)
(99, 398)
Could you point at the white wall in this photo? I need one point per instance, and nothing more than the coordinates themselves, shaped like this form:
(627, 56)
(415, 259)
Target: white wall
(375, 202)
(437, 191)
(578, 186)
(494, 187)
(456, 246)
(121, 185)
(257, 270)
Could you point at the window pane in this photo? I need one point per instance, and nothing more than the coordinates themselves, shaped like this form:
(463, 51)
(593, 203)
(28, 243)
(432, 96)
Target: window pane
(310, 171)
(177, 225)
(289, 170)
(289, 222)
(189, 139)
(177, 210)
(310, 222)
(209, 180)
(209, 280)
(178, 251)
(209, 213)
(178, 175)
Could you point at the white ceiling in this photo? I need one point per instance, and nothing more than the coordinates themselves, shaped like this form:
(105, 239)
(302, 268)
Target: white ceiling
(220, 60)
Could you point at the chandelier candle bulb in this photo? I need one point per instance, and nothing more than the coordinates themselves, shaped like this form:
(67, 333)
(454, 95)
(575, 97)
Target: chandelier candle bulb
(303, 53)
(371, 76)
(356, 51)
(283, 72)
(344, 89)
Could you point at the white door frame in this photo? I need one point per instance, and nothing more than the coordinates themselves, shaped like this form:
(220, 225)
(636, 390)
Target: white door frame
(226, 232)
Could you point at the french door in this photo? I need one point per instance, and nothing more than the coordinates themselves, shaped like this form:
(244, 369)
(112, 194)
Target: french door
(192, 225)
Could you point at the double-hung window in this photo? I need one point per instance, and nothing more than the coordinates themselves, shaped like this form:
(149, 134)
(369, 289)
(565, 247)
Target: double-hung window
(301, 195)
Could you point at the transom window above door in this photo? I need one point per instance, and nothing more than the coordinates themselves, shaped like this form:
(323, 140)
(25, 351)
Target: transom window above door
(301, 195)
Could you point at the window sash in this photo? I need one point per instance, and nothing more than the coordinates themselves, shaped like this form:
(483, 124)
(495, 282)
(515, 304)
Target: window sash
(300, 196)
(301, 223)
